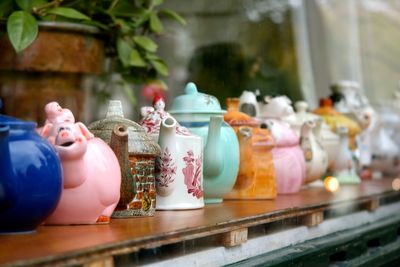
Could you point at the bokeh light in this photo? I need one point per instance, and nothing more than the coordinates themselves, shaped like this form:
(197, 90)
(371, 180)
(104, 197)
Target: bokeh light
(331, 184)
(396, 184)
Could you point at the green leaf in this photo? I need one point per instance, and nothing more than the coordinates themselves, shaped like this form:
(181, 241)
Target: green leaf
(129, 92)
(155, 24)
(146, 43)
(152, 57)
(22, 29)
(68, 13)
(27, 5)
(160, 66)
(157, 2)
(124, 51)
(173, 15)
(136, 59)
(5, 7)
(123, 8)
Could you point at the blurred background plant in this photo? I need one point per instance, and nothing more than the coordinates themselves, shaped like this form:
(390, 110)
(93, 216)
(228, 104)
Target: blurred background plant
(129, 28)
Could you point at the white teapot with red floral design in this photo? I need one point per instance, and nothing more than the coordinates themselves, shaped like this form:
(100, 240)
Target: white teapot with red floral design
(179, 169)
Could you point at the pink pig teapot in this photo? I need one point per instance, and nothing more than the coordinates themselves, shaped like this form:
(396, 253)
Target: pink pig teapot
(289, 162)
(179, 181)
(91, 174)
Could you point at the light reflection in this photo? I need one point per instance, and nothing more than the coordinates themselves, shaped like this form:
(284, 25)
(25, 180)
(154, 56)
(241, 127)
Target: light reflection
(396, 184)
(331, 184)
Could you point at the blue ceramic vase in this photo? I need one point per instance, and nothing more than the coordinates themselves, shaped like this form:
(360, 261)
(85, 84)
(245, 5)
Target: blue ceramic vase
(203, 116)
(30, 177)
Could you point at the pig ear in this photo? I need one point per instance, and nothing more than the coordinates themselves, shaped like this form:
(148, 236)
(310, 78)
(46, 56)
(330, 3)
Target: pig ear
(84, 130)
(45, 132)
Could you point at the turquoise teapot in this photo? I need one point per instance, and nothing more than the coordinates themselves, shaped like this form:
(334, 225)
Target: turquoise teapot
(203, 116)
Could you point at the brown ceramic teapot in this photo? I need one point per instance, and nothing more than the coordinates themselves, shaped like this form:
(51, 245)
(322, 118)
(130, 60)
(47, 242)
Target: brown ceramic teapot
(136, 153)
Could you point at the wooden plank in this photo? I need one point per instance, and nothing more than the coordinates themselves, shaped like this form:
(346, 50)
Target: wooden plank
(371, 204)
(313, 219)
(235, 237)
(60, 244)
(103, 262)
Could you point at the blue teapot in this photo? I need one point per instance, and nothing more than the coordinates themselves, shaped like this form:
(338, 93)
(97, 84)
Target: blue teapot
(203, 116)
(30, 176)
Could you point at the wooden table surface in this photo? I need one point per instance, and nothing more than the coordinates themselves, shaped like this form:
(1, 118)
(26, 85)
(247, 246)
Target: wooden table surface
(66, 244)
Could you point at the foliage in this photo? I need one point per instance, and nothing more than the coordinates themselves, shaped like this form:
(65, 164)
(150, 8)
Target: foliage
(130, 27)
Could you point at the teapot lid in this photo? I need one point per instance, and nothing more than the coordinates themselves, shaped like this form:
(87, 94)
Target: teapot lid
(115, 116)
(194, 102)
(15, 123)
(153, 116)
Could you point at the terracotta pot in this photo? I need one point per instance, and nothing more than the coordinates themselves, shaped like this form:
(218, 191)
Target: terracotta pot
(51, 69)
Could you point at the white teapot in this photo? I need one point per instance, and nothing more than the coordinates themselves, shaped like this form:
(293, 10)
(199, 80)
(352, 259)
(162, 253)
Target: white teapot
(179, 169)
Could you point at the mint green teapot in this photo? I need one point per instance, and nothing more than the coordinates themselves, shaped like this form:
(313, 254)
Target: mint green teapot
(203, 116)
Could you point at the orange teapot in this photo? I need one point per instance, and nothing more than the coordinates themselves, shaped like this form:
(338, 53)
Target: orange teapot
(256, 178)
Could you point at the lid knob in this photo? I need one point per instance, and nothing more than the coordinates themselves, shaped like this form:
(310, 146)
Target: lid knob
(301, 106)
(191, 89)
(114, 109)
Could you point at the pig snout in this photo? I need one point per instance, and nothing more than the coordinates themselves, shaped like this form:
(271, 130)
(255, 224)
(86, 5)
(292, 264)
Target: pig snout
(65, 138)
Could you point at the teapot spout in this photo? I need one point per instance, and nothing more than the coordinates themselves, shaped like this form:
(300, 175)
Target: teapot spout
(167, 132)
(8, 194)
(213, 158)
(119, 144)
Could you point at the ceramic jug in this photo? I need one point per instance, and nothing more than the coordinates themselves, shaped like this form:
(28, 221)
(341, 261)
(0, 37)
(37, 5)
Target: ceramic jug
(30, 176)
(289, 161)
(202, 115)
(179, 179)
(322, 149)
(256, 178)
(344, 168)
(136, 153)
(91, 172)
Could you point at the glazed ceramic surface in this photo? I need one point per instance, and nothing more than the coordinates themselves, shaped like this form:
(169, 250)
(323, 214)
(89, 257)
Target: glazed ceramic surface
(314, 153)
(91, 172)
(31, 176)
(136, 153)
(344, 168)
(315, 140)
(202, 115)
(335, 119)
(179, 179)
(289, 161)
(256, 178)
(248, 104)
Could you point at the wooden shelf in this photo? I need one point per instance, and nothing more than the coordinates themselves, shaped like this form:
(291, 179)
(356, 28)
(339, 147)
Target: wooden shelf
(83, 244)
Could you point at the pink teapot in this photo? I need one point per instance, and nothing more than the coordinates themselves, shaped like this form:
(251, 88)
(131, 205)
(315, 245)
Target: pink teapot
(179, 181)
(91, 172)
(289, 161)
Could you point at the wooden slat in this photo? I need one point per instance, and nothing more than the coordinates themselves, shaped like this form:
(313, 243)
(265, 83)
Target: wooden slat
(371, 204)
(235, 237)
(313, 219)
(103, 262)
(75, 244)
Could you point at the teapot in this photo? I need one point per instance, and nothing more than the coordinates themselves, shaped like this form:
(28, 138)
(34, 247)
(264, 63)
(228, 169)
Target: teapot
(136, 153)
(202, 115)
(179, 179)
(91, 172)
(31, 176)
(333, 118)
(344, 168)
(319, 144)
(289, 161)
(256, 178)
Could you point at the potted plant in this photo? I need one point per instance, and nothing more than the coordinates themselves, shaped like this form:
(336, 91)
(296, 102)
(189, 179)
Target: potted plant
(48, 45)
